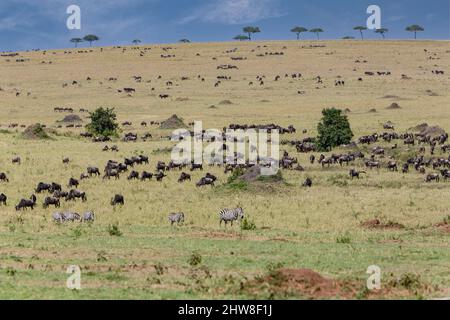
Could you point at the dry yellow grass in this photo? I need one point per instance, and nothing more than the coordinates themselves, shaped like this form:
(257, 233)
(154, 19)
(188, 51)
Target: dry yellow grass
(307, 221)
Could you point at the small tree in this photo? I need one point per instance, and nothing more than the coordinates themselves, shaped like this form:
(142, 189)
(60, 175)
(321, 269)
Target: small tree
(348, 38)
(91, 38)
(136, 41)
(317, 31)
(76, 41)
(241, 37)
(415, 28)
(334, 130)
(298, 31)
(250, 30)
(103, 122)
(360, 29)
(382, 31)
(185, 41)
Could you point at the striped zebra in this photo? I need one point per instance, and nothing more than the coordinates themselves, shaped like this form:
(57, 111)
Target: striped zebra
(231, 215)
(176, 218)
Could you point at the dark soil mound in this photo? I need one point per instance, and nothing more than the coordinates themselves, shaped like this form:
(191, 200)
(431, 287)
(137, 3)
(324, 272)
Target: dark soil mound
(377, 224)
(71, 118)
(174, 122)
(394, 106)
(373, 110)
(253, 174)
(35, 132)
(225, 103)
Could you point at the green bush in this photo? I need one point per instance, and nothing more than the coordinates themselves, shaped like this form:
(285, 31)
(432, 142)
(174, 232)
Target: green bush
(334, 130)
(113, 230)
(195, 259)
(103, 123)
(248, 225)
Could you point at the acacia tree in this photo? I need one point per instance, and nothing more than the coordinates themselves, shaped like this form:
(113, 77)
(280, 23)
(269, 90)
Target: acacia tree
(76, 41)
(136, 41)
(103, 122)
(91, 38)
(317, 31)
(251, 30)
(298, 31)
(241, 37)
(185, 41)
(360, 29)
(334, 130)
(382, 31)
(415, 28)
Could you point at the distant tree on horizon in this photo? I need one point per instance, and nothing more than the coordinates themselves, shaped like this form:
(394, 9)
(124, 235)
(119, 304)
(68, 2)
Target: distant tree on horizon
(317, 31)
(185, 41)
(382, 31)
(136, 41)
(91, 38)
(298, 31)
(251, 30)
(76, 41)
(415, 28)
(348, 38)
(241, 37)
(360, 29)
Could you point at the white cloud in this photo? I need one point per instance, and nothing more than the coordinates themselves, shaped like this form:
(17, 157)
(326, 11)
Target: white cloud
(235, 11)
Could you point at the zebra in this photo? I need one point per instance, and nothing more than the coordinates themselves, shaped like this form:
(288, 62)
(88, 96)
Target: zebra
(71, 216)
(231, 215)
(176, 218)
(89, 216)
(58, 217)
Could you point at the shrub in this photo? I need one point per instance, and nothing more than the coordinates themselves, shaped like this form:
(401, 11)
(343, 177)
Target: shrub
(248, 225)
(195, 259)
(113, 230)
(334, 130)
(343, 239)
(103, 122)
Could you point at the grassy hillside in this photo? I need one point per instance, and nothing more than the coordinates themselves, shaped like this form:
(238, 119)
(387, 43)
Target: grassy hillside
(318, 228)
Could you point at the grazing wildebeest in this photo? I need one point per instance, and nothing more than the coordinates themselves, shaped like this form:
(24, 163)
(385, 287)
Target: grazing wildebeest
(73, 183)
(84, 176)
(66, 160)
(76, 194)
(3, 177)
(55, 187)
(355, 174)
(51, 201)
(111, 173)
(205, 182)
(307, 183)
(176, 218)
(133, 175)
(43, 187)
(24, 204)
(312, 158)
(184, 176)
(16, 160)
(93, 170)
(392, 165)
(195, 166)
(60, 194)
(118, 199)
(160, 176)
(231, 215)
(432, 177)
(161, 166)
(146, 176)
(3, 198)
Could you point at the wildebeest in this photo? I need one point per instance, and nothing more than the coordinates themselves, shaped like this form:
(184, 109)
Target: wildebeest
(3, 177)
(205, 182)
(146, 176)
(3, 198)
(196, 166)
(24, 203)
(76, 194)
(355, 174)
(43, 187)
(176, 218)
(16, 160)
(184, 176)
(93, 170)
(133, 175)
(308, 183)
(432, 177)
(160, 176)
(73, 183)
(117, 199)
(52, 201)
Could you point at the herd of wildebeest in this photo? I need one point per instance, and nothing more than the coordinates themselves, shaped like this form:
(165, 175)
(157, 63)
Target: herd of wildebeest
(375, 157)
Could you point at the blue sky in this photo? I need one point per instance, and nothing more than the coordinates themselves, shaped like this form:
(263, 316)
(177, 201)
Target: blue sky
(28, 24)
